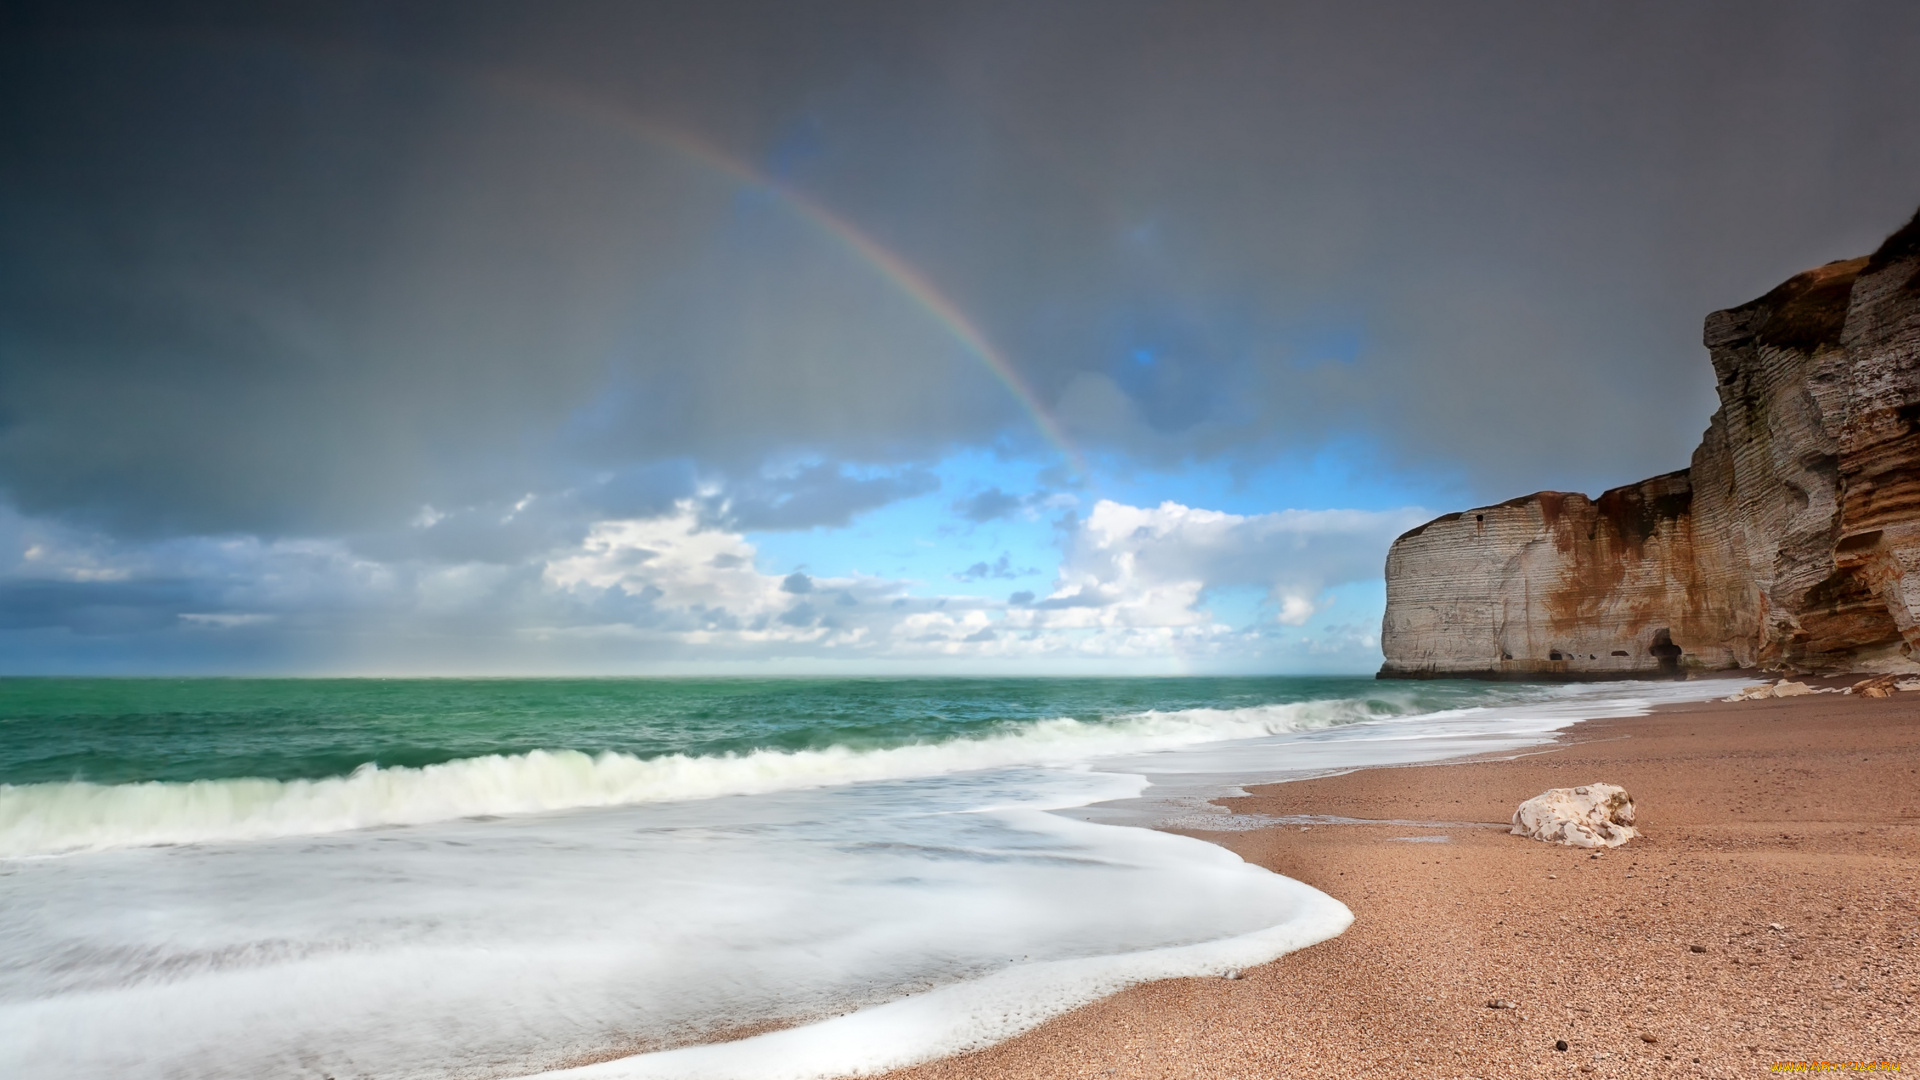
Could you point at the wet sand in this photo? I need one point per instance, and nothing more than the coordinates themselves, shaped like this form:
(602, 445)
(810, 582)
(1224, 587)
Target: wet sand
(1769, 913)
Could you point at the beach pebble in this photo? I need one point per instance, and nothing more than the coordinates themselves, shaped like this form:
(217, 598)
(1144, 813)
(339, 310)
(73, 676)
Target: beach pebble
(1696, 948)
(1560, 1045)
(1589, 816)
(1501, 1003)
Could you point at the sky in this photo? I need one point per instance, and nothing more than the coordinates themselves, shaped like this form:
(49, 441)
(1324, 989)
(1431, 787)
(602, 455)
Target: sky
(864, 338)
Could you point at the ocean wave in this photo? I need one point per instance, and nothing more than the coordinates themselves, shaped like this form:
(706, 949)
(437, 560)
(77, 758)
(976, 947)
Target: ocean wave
(56, 818)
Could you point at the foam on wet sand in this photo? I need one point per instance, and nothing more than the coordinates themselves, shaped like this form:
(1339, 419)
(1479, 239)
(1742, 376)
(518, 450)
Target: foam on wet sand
(1781, 840)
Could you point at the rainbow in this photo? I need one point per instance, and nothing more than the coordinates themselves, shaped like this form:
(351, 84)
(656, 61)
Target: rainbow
(909, 281)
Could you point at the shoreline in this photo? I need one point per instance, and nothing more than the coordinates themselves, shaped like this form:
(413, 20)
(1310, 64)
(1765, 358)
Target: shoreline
(1801, 813)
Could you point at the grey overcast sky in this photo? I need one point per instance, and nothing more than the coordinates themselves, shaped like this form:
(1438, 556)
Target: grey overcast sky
(563, 336)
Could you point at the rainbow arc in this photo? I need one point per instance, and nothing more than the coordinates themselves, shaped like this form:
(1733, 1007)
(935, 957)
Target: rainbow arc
(903, 276)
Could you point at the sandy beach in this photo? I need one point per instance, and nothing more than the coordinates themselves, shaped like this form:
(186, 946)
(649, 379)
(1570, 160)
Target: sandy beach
(1767, 914)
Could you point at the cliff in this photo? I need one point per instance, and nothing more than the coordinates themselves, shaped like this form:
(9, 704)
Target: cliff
(1792, 542)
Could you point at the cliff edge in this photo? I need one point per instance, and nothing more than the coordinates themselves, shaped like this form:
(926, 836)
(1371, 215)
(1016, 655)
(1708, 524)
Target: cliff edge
(1791, 543)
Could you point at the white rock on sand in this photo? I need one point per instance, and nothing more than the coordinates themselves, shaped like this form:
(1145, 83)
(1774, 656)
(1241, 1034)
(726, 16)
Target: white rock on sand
(1589, 816)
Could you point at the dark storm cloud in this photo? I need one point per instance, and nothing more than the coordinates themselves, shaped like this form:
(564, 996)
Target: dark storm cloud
(294, 271)
(104, 607)
(491, 532)
(259, 288)
(990, 505)
(817, 495)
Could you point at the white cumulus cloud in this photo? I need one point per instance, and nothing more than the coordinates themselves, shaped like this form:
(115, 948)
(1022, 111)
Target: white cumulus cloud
(1156, 565)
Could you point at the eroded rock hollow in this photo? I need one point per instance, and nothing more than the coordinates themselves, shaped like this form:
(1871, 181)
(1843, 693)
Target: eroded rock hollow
(1791, 543)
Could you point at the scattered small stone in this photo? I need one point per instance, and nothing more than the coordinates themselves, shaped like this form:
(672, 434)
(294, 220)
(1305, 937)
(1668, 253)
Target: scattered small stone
(1696, 948)
(1775, 927)
(1231, 975)
(1501, 1003)
(1648, 1037)
(1560, 1045)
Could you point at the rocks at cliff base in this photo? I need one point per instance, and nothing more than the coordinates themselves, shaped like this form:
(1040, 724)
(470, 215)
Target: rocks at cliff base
(1783, 688)
(1589, 816)
(1883, 686)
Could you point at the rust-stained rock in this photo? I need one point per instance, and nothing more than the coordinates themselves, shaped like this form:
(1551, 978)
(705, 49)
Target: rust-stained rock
(1553, 584)
(1880, 686)
(1792, 542)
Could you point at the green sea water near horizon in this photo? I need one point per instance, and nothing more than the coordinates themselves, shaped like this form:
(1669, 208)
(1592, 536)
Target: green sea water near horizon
(120, 730)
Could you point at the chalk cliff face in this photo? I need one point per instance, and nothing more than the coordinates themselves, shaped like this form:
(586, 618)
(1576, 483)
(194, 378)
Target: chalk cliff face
(1792, 542)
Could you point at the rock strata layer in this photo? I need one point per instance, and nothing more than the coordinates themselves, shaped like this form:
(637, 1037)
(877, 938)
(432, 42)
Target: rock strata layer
(1792, 542)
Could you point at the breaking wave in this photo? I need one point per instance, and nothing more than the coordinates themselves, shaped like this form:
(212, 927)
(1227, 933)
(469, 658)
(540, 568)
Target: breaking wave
(54, 818)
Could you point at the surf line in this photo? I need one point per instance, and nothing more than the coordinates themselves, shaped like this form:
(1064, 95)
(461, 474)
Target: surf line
(903, 276)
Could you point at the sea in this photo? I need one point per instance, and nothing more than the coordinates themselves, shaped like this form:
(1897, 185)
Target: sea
(743, 878)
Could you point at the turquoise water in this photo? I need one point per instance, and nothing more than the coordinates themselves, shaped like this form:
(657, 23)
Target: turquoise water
(113, 731)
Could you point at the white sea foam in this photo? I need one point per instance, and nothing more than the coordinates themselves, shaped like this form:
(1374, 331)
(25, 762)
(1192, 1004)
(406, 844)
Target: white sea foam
(51, 818)
(970, 1015)
(506, 947)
